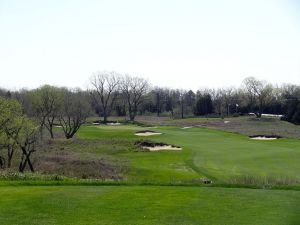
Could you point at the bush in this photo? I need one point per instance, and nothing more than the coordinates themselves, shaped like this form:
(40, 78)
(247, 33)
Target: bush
(235, 115)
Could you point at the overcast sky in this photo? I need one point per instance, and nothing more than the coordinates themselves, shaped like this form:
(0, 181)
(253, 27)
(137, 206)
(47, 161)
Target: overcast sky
(173, 43)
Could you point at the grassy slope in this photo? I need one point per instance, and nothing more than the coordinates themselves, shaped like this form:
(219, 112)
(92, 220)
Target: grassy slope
(143, 167)
(147, 205)
(223, 155)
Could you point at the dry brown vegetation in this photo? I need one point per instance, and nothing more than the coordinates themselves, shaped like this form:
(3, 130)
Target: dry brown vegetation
(247, 125)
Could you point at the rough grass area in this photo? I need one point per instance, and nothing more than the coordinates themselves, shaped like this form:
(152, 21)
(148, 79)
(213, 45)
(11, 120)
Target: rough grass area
(87, 159)
(146, 205)
(246, 125)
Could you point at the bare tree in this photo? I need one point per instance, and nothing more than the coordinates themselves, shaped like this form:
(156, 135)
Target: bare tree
(181, 99)
(104, 90)
(227, 98)
(133, 89)
(170, 101)
(259, 92)
(74, 112)
(158, 99)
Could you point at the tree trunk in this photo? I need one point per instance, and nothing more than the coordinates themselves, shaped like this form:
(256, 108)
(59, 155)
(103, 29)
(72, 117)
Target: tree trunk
(181, 111)
(10, 152)
(23, 163)
(21, 167)
(2, 162)
(131, 116)
(41, 131)
(260, 110)
(51, 131)
(104, 117)
(228, 110)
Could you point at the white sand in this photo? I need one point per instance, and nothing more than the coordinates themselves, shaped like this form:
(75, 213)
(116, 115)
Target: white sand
(226, 121)
(113, 124)
(186, 127)
(163, 148)
(147, 134)
(264, 138)
(96, 123)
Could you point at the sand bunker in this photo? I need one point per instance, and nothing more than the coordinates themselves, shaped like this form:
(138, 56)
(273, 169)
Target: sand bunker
(186, 128)
(162, 148)
(152, 146)
(113, 124)
(226, 121)
(264, 138)
(96, 123)
(147, 133)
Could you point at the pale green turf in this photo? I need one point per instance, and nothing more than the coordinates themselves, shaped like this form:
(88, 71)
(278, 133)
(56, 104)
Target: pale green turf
(147, 205)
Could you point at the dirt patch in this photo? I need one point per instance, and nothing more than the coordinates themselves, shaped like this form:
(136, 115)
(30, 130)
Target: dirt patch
(147, 133)
(160, 146)
(264, 137)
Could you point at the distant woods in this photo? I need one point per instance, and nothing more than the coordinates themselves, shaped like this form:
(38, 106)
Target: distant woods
(113, 94)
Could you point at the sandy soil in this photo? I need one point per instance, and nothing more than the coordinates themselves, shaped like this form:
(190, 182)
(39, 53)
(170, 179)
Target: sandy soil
(163, 148)
(113, 124)
(264, 138)
(147, 134)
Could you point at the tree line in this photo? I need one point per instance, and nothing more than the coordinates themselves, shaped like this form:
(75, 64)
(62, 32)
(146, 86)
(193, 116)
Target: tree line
(26, 114)
(110, 93)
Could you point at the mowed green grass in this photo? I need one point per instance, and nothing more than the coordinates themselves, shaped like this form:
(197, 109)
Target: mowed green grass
(122, 205)
(219, 155)
(223, 156)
